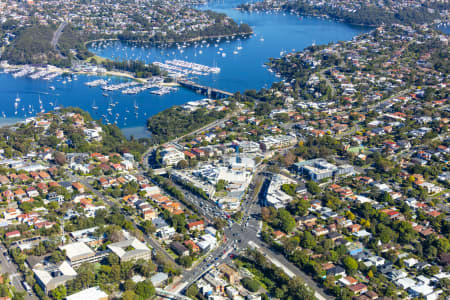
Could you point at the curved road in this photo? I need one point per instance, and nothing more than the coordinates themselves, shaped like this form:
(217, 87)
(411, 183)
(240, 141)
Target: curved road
(146, 154)
(56, 35)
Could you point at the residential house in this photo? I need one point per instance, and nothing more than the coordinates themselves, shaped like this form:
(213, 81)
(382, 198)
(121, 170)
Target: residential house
(78, 187)
(196, 225)
(179, 249)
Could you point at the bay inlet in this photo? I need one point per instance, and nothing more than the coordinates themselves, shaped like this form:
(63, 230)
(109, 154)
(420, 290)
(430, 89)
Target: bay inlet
(241, 61)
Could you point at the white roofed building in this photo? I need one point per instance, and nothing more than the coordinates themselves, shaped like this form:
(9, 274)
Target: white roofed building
(79, 253)
(131, 249)
(51, 276)
(171, 156)
(93, 293)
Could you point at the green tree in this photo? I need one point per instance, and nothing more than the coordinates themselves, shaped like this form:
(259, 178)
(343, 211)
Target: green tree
(250, 284)
(57, 256)
(221, 185)
(182, 164)
(148, 227)
(313, 187)
(192, 291)
(185, 261)
(129, 285)
(308, 241)
(145, 289)
(302, 207)
(287, 221)
(289, 189)
(59, 293)
(350, 264)
(129, 295)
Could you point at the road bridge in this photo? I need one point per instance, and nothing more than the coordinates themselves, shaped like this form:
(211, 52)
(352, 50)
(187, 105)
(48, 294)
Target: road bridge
(210, 92)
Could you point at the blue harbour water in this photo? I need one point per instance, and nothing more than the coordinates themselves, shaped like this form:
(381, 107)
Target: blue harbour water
(444, 29)
(274, 34)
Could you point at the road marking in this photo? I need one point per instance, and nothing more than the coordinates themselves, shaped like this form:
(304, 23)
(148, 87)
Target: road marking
(283, 267)
(274, 261)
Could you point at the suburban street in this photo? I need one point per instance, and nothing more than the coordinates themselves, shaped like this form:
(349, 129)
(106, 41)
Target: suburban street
(7, 266)
(154, 244)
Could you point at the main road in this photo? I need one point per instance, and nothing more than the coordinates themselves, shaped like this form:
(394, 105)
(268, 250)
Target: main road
(57, 34)
(238, 238)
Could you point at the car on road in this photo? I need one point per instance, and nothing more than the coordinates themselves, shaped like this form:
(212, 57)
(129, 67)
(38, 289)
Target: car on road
(27, 287)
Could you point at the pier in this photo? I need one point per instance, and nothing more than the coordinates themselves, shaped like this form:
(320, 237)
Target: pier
(210, 92)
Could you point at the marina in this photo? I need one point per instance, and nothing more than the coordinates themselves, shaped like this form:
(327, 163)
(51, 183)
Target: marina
(115, 87)
(164, 90)
(180, 68)
(46, 73)
(128, 88)
(97, 82)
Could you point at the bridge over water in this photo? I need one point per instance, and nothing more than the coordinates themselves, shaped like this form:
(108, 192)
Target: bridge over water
(210, 92)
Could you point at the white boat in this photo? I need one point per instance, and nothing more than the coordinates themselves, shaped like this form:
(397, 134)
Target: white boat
(239, 47)
(96, 83)
(17, 98)
(52, 87)
(224, 54)
(94, 107)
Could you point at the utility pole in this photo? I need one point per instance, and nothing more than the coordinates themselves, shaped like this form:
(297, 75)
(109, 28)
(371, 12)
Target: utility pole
(62, 236)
